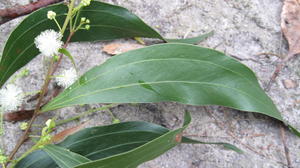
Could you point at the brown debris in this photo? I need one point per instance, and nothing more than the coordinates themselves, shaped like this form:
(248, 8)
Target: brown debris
(290, 25)
(14, 12)
(62, 135)
(118, 48)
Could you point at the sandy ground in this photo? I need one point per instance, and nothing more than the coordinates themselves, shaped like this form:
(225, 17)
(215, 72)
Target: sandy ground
(243, 29)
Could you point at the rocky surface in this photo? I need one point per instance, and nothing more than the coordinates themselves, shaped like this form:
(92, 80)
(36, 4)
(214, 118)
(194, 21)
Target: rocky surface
(243, 29)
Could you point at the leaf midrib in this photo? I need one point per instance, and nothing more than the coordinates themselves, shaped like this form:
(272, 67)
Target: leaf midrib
(150, 60)
(53, 155)
(124, 153)
(115, 146)
(107, 134)
(153, 83)
(68, 156)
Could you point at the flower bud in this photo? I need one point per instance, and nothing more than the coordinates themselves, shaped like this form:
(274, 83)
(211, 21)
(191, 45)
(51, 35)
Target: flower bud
(85, 2)
(116, 121)
(87, 27)
(23, 126)
(50, 124)
(51, 15)
(83, 19)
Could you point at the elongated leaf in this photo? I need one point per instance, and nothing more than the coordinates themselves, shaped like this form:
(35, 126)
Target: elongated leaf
(105, 142)
(108, 22)
(146, 152)
(225, 145)
(194, 40)
(100, 142)
(170, 72)
(63, 157)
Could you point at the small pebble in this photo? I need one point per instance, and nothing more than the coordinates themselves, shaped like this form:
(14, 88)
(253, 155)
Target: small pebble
(290, 84)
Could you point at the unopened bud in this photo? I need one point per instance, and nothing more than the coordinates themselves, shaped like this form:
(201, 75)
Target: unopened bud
(23, 126)
(116, 121)
(87, 27)
(83, 19)
(51, 15)
(85, 2)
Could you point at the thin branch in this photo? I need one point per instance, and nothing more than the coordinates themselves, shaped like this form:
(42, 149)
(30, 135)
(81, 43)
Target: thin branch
(286, 149)
(278, 69)
(17, 11)
(35, 114)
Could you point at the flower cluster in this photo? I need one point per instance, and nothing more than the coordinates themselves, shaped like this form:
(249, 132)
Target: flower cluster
(67, 77)
(86, 22)
(49, 42)
(11, 97)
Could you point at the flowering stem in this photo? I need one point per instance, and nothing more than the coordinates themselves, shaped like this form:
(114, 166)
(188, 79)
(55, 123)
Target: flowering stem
(36, 112)
(76, 18)
(69, 16)
(57, 24)
(22, 139)
(44, 89)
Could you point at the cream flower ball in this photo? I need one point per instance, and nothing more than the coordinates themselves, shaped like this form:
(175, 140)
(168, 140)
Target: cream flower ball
(11, 97)
(49, 42)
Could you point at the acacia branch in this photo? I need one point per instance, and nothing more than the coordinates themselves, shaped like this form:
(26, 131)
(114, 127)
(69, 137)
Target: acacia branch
(20, 10)
(36, 113)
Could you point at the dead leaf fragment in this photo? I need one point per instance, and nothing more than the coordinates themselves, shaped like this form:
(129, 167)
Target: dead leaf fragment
(178, 137)
(62, 135)
(18, 115)
(118, 48)
(290, 25)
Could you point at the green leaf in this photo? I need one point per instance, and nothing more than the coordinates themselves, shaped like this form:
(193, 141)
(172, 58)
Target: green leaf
(294, 130)
(170, 72)
(225, 145)
(231, 147)
(194, 40)
(109, 141)
(108, 22)
(63, 157)
(146, 152)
